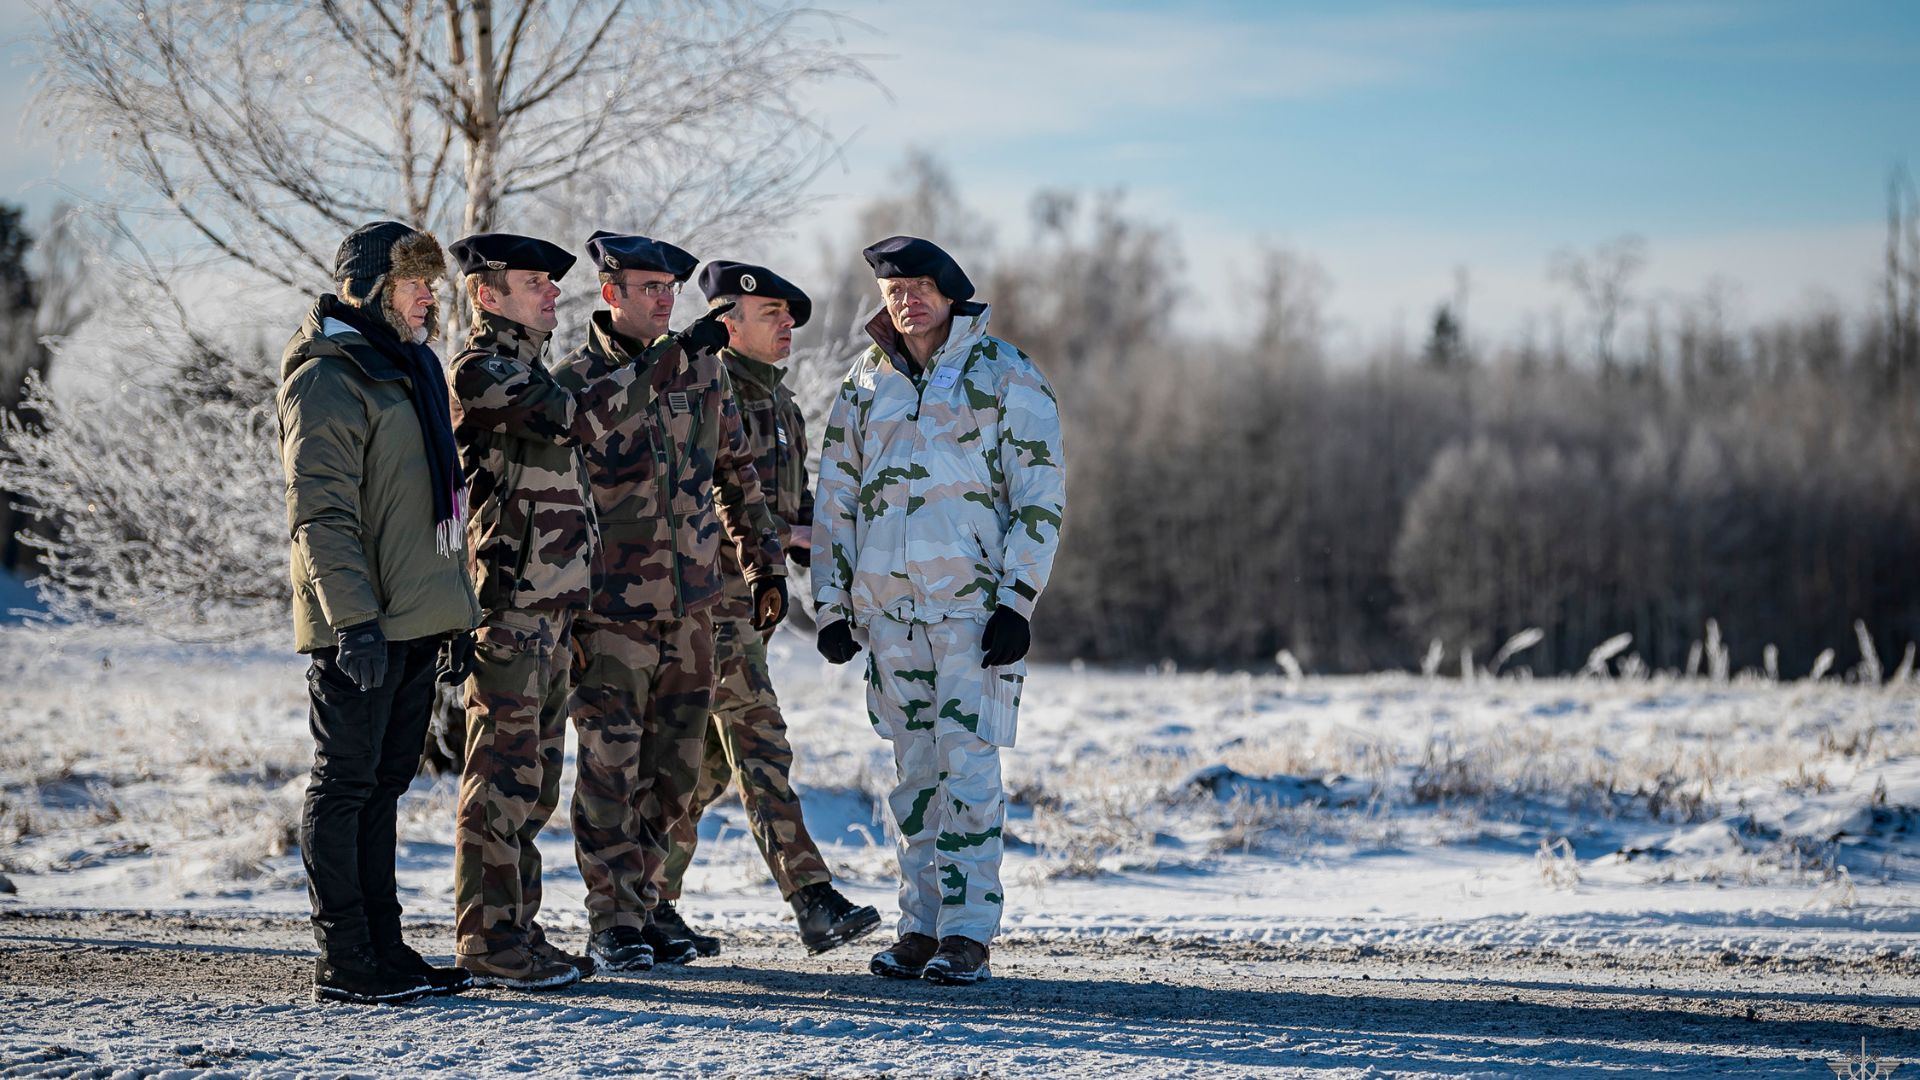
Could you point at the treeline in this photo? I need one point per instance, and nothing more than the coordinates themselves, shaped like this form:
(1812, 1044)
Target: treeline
(1231, 500)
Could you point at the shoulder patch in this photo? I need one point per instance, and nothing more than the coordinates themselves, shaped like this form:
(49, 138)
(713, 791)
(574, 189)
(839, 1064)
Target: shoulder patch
(499, 367)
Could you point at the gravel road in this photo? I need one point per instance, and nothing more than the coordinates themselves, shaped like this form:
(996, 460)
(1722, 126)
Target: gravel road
(130, 994)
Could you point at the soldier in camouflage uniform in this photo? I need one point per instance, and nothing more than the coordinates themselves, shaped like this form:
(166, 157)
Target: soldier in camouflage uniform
(942, 491)
(532, 536)
(746, 735)
(665, 487)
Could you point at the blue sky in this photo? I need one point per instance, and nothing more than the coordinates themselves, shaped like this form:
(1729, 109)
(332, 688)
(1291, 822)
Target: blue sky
(1747, 140)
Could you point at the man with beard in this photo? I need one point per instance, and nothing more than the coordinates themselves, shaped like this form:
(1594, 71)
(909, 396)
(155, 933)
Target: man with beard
(380, 589)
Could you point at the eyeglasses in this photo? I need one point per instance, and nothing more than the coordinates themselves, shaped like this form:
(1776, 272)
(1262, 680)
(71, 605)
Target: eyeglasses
(899, 289)
(651, 289)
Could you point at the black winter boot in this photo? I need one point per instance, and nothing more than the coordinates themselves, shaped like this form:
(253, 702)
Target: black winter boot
(354, 974)
(399, 958)
(827, 920)
(667, 948)
(620, 948)
(668, 918)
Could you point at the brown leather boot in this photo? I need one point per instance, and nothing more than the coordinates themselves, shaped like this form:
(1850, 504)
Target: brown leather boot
(960, 960)
(518, 969)
(905, 958)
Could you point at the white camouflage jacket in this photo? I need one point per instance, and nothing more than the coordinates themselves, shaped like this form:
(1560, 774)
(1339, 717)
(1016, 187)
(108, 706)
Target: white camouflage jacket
(940, 498)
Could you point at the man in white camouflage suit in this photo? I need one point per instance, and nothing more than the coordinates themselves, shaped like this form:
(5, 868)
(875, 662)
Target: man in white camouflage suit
(942, 491)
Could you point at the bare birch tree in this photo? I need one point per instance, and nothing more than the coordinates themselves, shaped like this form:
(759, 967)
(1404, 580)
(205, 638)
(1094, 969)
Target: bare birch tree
(269, 130)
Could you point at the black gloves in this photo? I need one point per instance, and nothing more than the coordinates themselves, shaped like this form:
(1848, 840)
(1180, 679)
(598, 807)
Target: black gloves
(708, 333)
(836, 642)
(769, 602)
(1006, 638)
(456, 658)
(363, 654)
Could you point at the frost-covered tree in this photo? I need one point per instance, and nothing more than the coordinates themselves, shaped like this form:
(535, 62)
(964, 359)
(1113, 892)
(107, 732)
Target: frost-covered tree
(248, 136)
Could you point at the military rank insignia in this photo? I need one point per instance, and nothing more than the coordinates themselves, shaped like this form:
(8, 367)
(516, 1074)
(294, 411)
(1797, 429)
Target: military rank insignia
(677, 401)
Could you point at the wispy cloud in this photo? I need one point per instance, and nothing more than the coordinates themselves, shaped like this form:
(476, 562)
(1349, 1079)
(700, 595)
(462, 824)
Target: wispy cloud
(1021, 70)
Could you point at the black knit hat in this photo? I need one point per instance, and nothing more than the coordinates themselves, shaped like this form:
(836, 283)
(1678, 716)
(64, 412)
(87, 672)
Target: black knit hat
(723, 278)
(910, 256)
(372, 252)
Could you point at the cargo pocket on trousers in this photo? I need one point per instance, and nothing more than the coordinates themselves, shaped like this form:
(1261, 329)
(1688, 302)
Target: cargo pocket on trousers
(1000, 704)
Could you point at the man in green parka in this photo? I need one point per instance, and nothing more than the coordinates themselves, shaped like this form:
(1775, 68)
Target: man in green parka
(381, 593)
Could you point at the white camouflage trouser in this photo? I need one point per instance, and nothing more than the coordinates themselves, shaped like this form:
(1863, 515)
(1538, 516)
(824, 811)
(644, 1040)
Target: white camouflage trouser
(947, 718)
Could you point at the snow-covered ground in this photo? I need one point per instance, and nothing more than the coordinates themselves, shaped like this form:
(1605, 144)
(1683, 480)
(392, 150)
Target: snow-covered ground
(1642, 822)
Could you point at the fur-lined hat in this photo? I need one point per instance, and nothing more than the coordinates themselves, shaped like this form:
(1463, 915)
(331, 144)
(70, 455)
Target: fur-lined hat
(373, 256)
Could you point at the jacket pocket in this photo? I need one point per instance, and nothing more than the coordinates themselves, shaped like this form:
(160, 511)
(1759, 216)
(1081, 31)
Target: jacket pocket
(555, 556)
(1000, 703)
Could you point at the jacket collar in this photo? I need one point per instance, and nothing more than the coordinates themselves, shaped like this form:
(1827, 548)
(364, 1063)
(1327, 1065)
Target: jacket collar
(616, 348)
(968, 327)
(766, 376)
(501, 336)
(321, 333)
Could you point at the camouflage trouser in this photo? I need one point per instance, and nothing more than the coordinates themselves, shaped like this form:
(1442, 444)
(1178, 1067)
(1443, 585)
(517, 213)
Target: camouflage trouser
(748, 737)
(516, 735)
(947, 718)
(640, 699)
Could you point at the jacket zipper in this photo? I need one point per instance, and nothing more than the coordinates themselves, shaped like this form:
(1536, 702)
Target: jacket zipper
(919, 404)
(663, 459)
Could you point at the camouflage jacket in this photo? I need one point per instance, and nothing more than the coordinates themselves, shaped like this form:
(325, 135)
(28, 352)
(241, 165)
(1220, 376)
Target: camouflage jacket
(667, 482)
(941, 496)
(530, 524)
(777, 439)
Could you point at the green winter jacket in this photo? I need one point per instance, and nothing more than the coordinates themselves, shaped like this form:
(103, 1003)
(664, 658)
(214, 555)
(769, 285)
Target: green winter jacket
(359, 497)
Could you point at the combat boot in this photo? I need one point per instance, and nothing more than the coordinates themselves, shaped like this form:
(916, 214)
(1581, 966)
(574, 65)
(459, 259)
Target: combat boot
(826, 919)
(620, 948)
(519, 968)
(668, 949)
(668, 918)
(960, 960)
(904, 959)
(399, 958)
(354, 974)
(547, 950)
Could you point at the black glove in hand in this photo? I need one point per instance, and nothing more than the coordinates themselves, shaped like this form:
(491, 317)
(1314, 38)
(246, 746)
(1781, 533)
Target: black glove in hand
(456, 658)
(708, 333)
(1006, 638)
(769, 603)
(836, 642)
(363, 654)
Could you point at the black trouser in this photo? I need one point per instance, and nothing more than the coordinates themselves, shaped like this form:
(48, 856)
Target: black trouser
(366, 748)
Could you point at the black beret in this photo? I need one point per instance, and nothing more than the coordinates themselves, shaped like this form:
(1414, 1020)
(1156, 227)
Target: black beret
(505, 251)
(611, 251)
(723, 278)
(910, 256)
